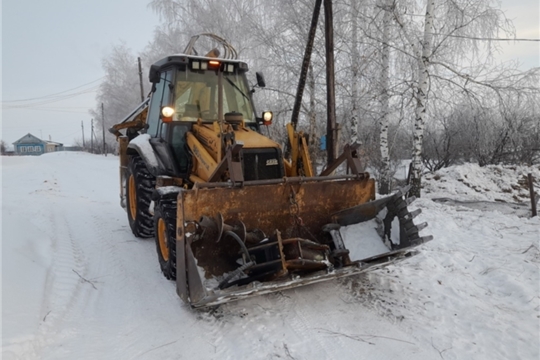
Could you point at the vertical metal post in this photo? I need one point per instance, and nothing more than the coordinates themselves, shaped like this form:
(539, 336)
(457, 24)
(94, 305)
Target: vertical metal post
(140, 79)
(531, 190)
(103, 127)
(331, 130)
(92, 135)
(82, 126)
(220, 98)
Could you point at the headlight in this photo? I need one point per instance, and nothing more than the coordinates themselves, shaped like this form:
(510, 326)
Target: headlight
(267, 117)
(167, 111)
(166, 114)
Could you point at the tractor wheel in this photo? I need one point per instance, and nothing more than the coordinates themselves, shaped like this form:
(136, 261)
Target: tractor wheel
(165, 229)
(140, 184)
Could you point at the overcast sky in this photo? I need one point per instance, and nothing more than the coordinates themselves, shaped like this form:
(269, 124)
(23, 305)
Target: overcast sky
(57, 45)
(52, 46)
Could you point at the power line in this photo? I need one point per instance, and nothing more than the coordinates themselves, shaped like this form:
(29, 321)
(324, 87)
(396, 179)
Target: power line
(53, 95)
(59, 110)
(487, 39)
(50, 100)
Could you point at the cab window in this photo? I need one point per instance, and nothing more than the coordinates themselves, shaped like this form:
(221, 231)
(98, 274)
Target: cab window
(160, 97)
(196, 95)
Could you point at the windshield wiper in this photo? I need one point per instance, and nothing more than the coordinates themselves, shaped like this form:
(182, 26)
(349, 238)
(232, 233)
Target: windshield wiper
(237, 88)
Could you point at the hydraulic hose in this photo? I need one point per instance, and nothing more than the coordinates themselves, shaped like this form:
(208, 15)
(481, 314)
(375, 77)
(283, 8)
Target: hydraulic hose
(242, 245)
(223, 284)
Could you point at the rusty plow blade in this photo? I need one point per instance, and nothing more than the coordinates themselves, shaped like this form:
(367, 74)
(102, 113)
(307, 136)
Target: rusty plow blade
(236, 242)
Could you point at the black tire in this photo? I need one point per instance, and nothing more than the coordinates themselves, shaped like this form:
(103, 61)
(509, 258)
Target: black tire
(140, 184)
(165, 229)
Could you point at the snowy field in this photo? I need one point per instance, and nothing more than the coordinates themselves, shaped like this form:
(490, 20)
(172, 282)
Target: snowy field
(76, 284)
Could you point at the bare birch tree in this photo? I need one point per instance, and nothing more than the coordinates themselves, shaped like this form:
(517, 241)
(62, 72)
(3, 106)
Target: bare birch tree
(119, 92)
(385, 181)
(355, 69)
(421, 99)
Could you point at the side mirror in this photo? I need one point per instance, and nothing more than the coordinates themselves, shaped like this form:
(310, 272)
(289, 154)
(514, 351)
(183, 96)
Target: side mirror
(260, 79)
(155, 75)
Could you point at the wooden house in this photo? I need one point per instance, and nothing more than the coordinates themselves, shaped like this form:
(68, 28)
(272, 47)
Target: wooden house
(32, 145)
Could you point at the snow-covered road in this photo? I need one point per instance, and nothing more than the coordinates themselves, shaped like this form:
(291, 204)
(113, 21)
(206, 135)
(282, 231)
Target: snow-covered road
(76, 284)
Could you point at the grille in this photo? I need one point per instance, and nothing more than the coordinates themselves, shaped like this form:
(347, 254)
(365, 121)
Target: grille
(262, 164)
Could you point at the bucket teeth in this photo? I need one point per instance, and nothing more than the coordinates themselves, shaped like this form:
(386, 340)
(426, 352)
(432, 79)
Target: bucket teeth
(421, 240)
(413, 214)
(422, 226)
(416, 229)
(402, 191)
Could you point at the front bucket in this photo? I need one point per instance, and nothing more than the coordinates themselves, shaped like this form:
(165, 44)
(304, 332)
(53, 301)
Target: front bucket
(236, 242)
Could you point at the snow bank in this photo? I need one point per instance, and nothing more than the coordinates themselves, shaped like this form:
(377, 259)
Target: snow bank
(489, 183)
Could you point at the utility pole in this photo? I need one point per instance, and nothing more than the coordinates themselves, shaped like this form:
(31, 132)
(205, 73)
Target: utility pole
(103, 127)
(140, 79)
(82, 127)
(305, 64)
(92, 136)
(331, 128)
(304, 71)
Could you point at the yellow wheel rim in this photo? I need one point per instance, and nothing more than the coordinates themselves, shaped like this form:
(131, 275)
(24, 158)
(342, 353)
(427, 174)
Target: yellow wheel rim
(132, 197)
(162, 238)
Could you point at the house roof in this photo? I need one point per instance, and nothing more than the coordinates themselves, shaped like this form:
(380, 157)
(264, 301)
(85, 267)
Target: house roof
(28, 139)
(31, 139)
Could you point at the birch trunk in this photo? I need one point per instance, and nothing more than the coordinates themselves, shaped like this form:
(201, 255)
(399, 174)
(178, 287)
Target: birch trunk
(421, 99)
(385, 181)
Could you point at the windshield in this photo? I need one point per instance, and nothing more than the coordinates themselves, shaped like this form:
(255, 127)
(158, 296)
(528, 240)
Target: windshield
(196, 95)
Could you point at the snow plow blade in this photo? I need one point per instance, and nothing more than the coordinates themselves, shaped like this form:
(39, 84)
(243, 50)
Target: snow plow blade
(234, 242)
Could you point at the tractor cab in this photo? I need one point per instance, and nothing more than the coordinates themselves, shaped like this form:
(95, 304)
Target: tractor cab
(185, 92)
(189, 86)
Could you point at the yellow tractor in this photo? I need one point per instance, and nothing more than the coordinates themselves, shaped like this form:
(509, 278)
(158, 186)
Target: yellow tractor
(231, 217)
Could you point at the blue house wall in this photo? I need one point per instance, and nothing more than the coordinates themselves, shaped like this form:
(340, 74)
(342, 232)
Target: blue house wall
(30, 149)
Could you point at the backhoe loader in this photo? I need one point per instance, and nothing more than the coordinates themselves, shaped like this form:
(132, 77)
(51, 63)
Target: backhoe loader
(231, 217)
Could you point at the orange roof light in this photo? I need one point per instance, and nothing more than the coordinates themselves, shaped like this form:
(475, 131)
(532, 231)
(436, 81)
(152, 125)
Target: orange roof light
(214, 63)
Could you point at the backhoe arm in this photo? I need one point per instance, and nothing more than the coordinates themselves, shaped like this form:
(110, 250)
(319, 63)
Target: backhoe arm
(300, 163)
(136, 120)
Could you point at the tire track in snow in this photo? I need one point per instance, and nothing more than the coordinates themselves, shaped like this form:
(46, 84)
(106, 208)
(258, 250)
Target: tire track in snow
(280, 325)
(108, 264)
(129, 282)
(62, 284)
(314, 301)
(295, 316)
(215, 323)
(344, 329)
